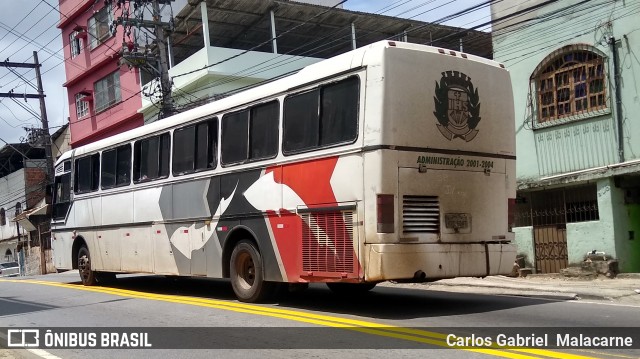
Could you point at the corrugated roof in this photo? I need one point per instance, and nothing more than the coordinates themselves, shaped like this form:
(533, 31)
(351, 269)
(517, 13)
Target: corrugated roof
(308, 30)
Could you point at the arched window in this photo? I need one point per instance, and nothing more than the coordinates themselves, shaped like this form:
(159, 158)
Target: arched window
(569, 82)
(8, 256)
(3, 217)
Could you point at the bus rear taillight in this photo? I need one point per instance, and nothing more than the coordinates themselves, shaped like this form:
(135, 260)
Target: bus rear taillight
(511, 213)
(385, 213)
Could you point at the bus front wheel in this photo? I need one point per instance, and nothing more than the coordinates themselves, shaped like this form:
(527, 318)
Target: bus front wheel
(87, 276)
(247, 273)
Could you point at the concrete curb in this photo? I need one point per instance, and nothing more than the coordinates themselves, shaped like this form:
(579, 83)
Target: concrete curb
(511, 286)
(525, 292)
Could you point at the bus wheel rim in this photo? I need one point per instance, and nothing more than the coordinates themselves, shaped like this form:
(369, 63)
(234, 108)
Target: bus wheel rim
(246, 270)
(84, 267)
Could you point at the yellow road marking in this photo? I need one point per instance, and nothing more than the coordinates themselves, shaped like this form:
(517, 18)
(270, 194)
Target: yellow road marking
(415, 335)
(607, 354)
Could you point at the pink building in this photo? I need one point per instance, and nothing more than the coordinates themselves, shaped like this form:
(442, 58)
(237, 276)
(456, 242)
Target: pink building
(103, 96)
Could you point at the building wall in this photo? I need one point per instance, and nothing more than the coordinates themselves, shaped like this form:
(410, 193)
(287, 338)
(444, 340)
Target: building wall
(12, 190)
(583, 237)
(83, 70)
(61, 144)
(579, 142)
(215, 80)
(35, 182)
(524, 243)
(8, 251)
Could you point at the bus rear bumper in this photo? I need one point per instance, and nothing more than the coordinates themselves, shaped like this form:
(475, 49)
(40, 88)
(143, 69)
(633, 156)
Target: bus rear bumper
(407, 262)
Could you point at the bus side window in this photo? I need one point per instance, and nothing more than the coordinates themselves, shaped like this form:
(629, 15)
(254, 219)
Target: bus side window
(323, 117)
(194, 147)
(301, 122)
(339, 112)
(116, 167)
(235, 133)
(123, 167)
(251, 134)
(87, 173)
(151, 158)
(263, 131)
(184, 150)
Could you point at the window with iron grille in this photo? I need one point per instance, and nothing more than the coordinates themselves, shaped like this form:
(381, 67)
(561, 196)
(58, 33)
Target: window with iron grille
(99, 26)
(557, 206)
(107, 91)
(82, 106)
(3, 217)
(570, 84)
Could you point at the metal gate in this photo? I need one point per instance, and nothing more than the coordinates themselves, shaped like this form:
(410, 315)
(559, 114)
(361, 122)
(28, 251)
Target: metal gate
(550, 248)
(548, 212)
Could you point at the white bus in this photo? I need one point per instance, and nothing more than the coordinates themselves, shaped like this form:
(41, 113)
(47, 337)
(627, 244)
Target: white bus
(390, 162)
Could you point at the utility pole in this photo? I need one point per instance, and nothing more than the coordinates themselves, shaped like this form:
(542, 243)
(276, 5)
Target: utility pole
(616, 79)
(43, 110)
(161, 43)
(133, 56)
(45, 122)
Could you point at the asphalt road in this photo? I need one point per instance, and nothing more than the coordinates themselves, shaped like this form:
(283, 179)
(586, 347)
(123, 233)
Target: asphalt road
(316, 323)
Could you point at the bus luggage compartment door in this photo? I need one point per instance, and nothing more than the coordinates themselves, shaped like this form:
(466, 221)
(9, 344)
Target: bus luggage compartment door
(451, 206)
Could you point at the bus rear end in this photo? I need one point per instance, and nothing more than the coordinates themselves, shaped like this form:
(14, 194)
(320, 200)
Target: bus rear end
(439, 166)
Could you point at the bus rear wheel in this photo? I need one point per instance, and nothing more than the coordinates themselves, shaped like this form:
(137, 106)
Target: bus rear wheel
(350, 288)
(247, 274)
(87, 275)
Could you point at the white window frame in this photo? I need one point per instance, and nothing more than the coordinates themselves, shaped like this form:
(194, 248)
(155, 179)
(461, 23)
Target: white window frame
(106, 91)
(99, 26)
(82, 107)
(75, 44)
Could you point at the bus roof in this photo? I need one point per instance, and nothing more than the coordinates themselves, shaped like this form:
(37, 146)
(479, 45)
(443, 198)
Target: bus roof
(364, 56)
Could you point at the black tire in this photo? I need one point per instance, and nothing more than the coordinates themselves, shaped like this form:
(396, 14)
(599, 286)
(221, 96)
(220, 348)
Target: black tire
(247, 274)
(87, 276)
(350, 288)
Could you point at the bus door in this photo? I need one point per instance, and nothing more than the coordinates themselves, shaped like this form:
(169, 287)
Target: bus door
(62, 191)
(60, 209)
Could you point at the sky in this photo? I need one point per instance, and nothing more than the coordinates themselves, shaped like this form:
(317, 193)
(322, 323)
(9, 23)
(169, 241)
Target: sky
(31, 26)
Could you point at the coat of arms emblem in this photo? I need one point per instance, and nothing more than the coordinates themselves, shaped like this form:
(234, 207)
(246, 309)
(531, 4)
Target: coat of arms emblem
(457, 106)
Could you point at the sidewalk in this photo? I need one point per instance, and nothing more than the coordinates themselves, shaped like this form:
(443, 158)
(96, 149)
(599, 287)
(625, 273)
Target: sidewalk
(624, 289)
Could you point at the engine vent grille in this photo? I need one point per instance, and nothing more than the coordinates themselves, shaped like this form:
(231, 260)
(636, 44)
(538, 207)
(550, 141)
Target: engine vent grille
(420, 214)
(327, 242)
